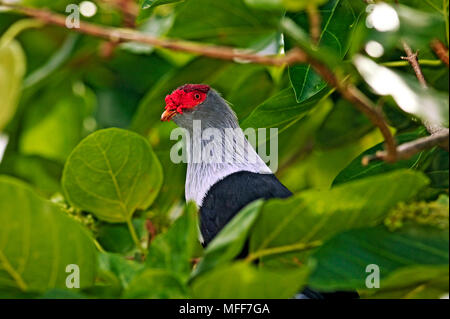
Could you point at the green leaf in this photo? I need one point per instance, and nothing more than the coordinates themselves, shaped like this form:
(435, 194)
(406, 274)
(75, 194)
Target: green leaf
(117, 266)
(111, 173)
(338, 21)
(156, 284)
(277, 110)
(413, 282)
(12, 70)
(243, 281)
(342, 261)
(356, 170)
(426, 103)
(304, 221)
(228, 22)
(38, 241)
(43, 174)
(335, 131)
(231, 239)
(62, 112)
(174, 249)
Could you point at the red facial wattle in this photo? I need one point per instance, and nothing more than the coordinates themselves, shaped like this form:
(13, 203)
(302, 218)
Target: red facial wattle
(185, 97)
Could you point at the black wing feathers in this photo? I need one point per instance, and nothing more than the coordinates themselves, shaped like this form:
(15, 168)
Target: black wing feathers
(228, 196)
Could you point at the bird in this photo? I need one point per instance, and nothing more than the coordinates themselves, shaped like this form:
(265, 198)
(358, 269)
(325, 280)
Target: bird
(233, 175)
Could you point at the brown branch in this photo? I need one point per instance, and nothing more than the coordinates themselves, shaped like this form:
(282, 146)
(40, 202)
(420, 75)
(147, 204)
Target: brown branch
(411, 57)
(294, 56)
(406, 150)
(440, 50)
(128, 35)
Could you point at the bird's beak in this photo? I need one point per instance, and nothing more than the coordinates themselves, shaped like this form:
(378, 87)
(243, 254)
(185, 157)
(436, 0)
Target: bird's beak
(168, 114)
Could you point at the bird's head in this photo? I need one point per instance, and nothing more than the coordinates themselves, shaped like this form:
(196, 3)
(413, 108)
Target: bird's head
(197, 102)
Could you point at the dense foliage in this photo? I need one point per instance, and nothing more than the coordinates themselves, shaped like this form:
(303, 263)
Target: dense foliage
(86, 177)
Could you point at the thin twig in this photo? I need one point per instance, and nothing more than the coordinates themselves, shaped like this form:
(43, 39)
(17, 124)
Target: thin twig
(406, 150)
(440, 50)
(411, 57)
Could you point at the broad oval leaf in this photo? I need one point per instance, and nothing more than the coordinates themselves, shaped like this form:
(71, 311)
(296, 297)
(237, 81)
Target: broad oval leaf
(342, 261)
(38, 241)
(12, 70)
(305, 220)
(111, 173)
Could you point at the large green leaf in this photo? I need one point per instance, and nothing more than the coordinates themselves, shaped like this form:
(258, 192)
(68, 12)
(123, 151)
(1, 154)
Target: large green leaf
(228, 22)
(12, 70)
(342, 261)
(111, 173)
(231, 239)
(174, 249)
(38, 241)
(241, 280)
(307, 219)
(338, 21)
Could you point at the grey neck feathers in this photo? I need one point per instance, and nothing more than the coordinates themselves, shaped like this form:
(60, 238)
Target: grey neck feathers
(224, 150)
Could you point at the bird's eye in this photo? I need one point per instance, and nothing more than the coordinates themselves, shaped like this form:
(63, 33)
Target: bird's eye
(197, 96)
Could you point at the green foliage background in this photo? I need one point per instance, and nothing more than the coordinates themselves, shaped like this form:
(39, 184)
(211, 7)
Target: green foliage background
(86, 177)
